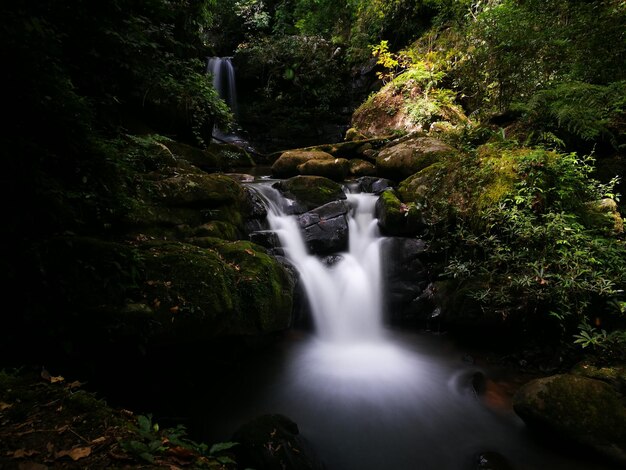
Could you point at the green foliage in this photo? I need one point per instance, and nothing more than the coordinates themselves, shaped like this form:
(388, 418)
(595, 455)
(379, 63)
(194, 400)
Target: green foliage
(149, 441)
(530, 252)
(578, 110)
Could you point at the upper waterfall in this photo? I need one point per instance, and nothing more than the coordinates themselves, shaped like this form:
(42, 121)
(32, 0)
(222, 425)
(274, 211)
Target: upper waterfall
(224, 80)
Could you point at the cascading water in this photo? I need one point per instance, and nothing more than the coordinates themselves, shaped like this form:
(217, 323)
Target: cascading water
(366, 397)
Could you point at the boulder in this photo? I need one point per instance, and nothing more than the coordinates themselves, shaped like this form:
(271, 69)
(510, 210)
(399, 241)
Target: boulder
(214, 157)
(401, 160)
(396, 218)
(336, 169)
(407, 278)
(586, 411)
(326, 228)
(287, 164)
(310, 192)
(273, 442)
(197, 190)
(370, 184)
(359, 167)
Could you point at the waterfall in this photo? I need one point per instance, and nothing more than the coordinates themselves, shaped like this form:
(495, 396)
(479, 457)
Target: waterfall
(224, 80)
(345, 297)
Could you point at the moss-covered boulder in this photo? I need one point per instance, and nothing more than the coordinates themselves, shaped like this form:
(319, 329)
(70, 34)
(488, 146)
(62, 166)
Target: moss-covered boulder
(614, 375)
(401, 160)
(336, 169)
(586, 411)
(169, 291)
(223, 288)
(197, 190)
(604, 213)
(407, 104)
(359, 167)
(310, 192)
(287, 164)
(214, 158)
(396, 218)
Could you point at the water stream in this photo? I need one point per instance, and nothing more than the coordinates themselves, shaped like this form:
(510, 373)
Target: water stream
(366, 397)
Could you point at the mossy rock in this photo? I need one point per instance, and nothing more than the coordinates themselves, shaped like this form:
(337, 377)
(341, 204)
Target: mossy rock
(197, 190)
(587, 411)
(403, 159)
(287, 164)
(396, 218)
(311, 191)
(214, 158)
(353, 134)
(225, 288)
(604, 215)
(613, 375)
(359, 167)
(336, 169)
(404, 105)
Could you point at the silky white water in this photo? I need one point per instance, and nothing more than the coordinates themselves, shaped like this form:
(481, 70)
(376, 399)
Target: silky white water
(365, 397)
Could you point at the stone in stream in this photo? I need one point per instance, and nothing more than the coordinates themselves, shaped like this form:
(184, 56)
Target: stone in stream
(326, 228)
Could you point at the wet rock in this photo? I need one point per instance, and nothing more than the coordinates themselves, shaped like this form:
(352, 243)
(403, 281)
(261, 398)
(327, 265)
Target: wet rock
(332, 259)
(586, 411)
(326, 228)
(370, 184)
(407, 278)
(273, 442)
(310, 192)
(396, 218)
(265, 238)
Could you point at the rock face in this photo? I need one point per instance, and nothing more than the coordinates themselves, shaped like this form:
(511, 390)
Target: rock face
(287, 164)
(370, 184)
(409, 156)
(310, 192)
(326, 228)
(586, 411)
(359, 167)
(407, 278)
(273, 442)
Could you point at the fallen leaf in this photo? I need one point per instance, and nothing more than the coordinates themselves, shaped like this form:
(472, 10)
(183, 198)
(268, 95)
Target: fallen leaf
(5, 406)
(21, 453)
(76, 453)
(54, 380)
(174, 309)
(62, 429)
(75, 384)
(181, 453)
(249, 251)
(99, 440)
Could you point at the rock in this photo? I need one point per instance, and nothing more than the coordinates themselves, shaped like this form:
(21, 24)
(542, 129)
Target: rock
(326, 228)
(586, 411)
(197, 190)
(369, 184)
(360, 167)
(492, 461)
(403, 159)
(353, 134)
(287, 164)
(215, 157)
(604, 214)
(613, 375)
(396, 218)
(273, 442)
(336, 169)
(266, 238)
(310, 192)
(406, 277)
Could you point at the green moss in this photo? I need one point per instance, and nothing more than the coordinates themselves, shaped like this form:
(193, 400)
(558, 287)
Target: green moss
(312, 191)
